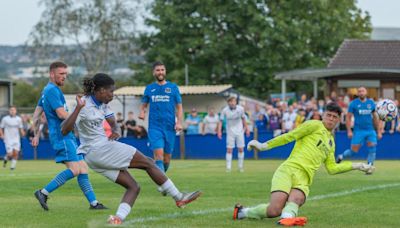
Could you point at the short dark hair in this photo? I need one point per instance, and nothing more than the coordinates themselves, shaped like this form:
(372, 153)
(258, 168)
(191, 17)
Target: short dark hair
(99, 80)
(156, 64)
(333, 107)
(57, 64)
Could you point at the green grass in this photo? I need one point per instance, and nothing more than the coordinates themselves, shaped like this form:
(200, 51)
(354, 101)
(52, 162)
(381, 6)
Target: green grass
(68, 207)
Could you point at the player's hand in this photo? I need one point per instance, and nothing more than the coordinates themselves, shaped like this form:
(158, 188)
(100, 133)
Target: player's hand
(178, 127)
(141, 115)
(80, 103)
(349, 134)
(363, 167)
(253, 144)
(379, 135)
(114, 136)
(247, 132)
(219, 134)
(35, 141)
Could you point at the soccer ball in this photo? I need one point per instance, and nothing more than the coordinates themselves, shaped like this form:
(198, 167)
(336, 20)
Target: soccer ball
(386, 110)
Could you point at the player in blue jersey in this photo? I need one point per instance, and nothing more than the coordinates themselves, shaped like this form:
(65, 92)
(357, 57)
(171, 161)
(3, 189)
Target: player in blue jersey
(165, 104)
(366, 127)
(52, 103)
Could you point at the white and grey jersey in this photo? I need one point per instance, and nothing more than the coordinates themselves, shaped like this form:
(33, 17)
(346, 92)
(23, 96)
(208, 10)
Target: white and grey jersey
(90, 124)
(210, 124)
(11, 126)
(234, 119)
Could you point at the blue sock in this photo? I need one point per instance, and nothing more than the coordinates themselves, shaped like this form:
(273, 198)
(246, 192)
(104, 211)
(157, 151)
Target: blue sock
(160, 165)
(86, 187)
(59, 180)
(371, 154)
(348, 153)
(166, 166)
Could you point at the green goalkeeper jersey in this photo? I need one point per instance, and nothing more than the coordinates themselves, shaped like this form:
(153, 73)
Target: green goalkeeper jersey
(314, 146)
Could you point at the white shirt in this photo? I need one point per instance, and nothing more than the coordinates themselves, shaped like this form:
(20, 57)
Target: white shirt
(288, 120)
(234, 119)
(11, 126)
(210, 124)
(90, 124)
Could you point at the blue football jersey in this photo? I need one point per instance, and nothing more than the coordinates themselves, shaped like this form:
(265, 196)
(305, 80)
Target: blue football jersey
(162, 100)
(51, 99)
(362, 112)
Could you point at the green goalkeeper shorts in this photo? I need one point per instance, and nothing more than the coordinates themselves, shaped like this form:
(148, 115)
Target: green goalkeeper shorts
(286, 178)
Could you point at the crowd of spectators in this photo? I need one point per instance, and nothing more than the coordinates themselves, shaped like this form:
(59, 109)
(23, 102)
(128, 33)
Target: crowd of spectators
(277, 116)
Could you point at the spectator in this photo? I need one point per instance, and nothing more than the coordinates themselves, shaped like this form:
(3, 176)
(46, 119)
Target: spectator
(192, 123)
(120, 122)
(210, 122)
(301, 116)
(275, 122)
(140, 132)
(303, 101)
(130, 125)
(288, 119)
(316, 116)
(261, 122)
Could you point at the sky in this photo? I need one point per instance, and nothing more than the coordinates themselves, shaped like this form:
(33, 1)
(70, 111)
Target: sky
(17, 17)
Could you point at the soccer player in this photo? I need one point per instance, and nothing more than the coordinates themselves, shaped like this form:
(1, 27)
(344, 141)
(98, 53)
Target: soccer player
(366, 127)
(109, 157)
(11, 130)
(290, 185)
(52, 103)
(236, 126)
(165, 103)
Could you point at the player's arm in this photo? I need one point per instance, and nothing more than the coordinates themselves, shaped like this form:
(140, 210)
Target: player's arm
(68, 124)
(349, 117)
(333, 168)
(179, 117)
(303, 130)
(245, 126)
(143, 109)
(116, 130)
(36, 125)
(1, 133)
(377, 124)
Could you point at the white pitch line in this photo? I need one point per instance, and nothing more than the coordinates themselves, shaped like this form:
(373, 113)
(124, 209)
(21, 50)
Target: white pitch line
(212, 211)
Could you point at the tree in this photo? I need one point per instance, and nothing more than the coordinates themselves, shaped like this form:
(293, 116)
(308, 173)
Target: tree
(101, 30)
(245, 42)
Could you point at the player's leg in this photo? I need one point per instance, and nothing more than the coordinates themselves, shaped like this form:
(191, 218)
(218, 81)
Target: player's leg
(169, 147)
(291, 209)
(230, 144)
(240, 145)
(371, 145)
(132, 191)
(86, 186)
(8, 155)
(69, 157)
(139, 161)
(356, 142)
(14, 158)
(280, 188)
(156, 140)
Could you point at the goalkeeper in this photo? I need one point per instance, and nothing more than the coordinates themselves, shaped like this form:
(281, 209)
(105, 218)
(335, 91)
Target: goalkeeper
(290, 185)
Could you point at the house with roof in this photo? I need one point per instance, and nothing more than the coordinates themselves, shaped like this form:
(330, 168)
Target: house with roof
(128, 99)
(374, 64)
(6, 95)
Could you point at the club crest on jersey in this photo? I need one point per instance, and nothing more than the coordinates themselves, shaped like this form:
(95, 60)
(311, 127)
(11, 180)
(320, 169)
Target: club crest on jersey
(369, 106)
(168, 90)
(330, 142)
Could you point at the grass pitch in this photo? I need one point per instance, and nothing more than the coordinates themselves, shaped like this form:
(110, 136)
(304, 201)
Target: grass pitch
(344, 200)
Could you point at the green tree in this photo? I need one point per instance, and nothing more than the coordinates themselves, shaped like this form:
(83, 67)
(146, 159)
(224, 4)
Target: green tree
(245, 42)
(101, 30)
(25, 94)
